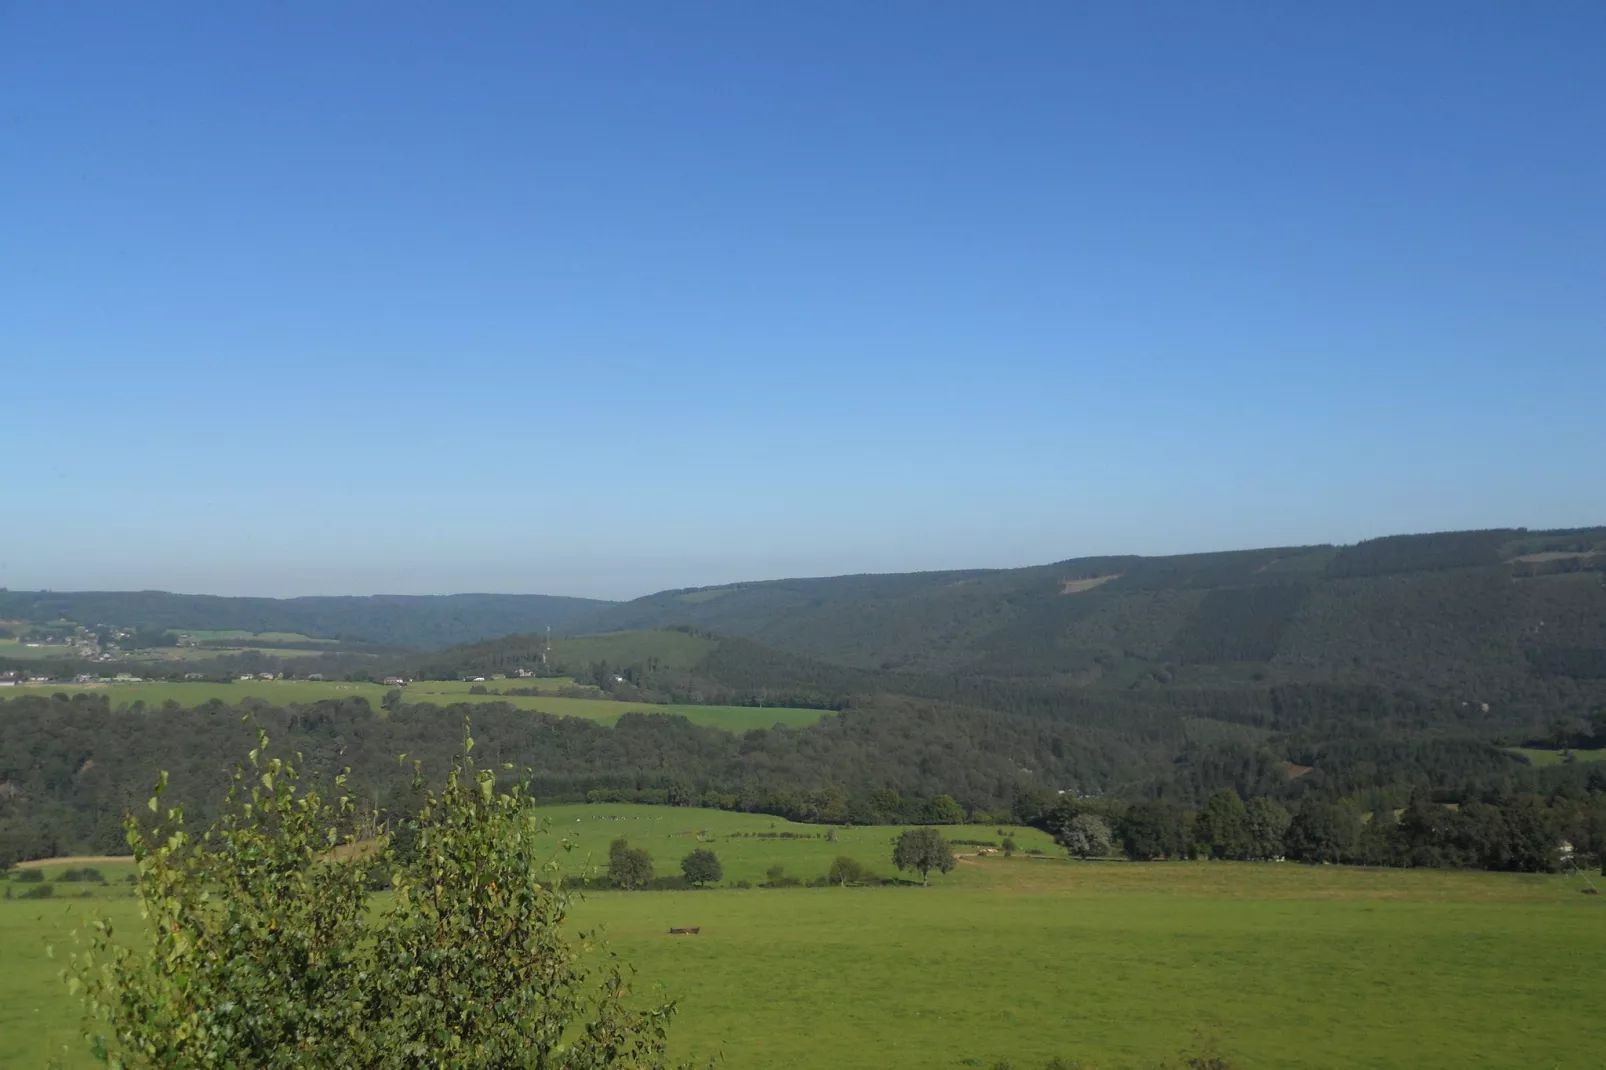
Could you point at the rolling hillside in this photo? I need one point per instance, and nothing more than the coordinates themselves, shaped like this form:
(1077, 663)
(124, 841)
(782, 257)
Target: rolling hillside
(1482, 611)
(1485, 615)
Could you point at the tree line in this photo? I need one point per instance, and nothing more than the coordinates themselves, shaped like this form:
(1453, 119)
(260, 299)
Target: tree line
(1513, 833)
(71, 766)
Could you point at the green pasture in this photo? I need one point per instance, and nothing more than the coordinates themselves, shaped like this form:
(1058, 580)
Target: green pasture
(204, 653)
(749, 844)
(546, 684)
(1022, 959)
(280, 692)
(16, 648)
(1120, 965)
(1556, 757)
(730, 718)
(246, 638)
(198, 692)
(673, 649)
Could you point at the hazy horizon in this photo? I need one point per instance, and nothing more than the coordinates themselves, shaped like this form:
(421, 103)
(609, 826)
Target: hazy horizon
(733, 579)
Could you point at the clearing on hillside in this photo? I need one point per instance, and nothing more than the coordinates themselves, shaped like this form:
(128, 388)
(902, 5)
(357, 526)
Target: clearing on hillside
(1078, 586)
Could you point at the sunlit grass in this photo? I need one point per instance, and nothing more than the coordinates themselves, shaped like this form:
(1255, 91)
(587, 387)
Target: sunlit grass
(1023, 958)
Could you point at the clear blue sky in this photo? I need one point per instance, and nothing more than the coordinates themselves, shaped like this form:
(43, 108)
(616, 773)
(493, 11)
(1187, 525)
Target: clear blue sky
(605, 298)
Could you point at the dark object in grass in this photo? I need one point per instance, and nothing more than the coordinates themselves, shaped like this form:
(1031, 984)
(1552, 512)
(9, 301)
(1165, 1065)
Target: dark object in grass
(688, 931)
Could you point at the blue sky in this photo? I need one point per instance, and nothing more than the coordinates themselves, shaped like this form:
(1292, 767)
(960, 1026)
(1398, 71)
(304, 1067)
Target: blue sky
(600, 299)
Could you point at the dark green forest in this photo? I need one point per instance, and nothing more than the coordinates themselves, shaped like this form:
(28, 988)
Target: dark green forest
(1480, 612)
(73, 766)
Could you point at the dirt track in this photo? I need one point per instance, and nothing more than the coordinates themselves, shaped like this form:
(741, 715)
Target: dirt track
(79, 860)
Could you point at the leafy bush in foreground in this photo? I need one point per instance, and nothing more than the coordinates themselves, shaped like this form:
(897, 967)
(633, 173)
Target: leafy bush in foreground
(262, 952)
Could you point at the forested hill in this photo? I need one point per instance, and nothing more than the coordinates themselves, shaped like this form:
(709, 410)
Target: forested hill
(1477, 610)
(424, 621)
(1480, 612)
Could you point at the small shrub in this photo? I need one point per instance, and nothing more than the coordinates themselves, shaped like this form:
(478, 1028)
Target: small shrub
(742, 884)
(1009, 846)
(1034, 850)
(42, 891)
(30, 876)
(845, 871)
(1205, 1056)
(778, 878)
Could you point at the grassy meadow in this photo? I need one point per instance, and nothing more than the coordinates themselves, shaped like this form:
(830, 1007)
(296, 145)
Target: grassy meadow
(247, 638)
(442, 692)
(673, 649)
(17, 648)
(1025, 958)
(747, 844)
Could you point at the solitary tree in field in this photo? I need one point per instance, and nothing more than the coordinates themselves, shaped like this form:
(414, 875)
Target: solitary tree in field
(628, 867)
(845, 871)
(264, 950)
(1086, 836)
(701, 867)
(923, 849)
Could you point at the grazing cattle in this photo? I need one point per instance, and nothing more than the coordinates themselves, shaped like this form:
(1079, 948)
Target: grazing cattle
(688, 931)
